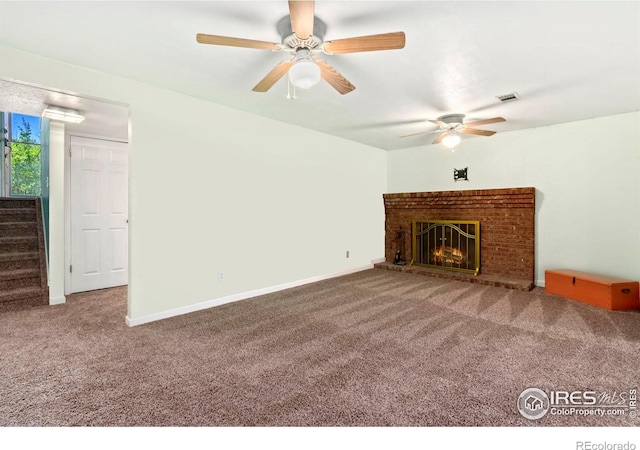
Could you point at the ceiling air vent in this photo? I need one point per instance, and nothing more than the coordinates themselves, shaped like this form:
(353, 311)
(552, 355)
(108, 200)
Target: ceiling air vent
(509, 97)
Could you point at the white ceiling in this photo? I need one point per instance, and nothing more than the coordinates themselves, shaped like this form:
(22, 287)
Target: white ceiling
(101, 118)
(567, 60)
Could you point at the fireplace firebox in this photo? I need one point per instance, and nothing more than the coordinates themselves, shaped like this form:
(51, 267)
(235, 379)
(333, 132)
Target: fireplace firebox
(447, 244)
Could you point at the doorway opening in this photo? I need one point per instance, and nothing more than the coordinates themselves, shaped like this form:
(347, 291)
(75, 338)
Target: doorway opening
(105, 120)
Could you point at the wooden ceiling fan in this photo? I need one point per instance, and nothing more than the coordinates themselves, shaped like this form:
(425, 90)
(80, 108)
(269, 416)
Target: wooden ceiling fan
(304, 68)
(452, 125)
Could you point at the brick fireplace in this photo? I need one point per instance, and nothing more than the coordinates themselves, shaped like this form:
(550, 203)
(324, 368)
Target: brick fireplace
(507, 229)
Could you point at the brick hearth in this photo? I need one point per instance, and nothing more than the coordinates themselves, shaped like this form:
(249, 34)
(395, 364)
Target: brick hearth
(507, 229)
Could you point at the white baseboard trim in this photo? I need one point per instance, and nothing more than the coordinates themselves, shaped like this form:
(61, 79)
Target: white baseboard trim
(57, 300)
(378, 260)
(539, 283)
(237, 297)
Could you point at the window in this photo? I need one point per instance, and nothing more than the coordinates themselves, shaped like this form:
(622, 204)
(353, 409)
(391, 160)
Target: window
(25, 154)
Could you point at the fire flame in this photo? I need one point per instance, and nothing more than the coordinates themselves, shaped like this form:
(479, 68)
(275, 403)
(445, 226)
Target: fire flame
(448, 255)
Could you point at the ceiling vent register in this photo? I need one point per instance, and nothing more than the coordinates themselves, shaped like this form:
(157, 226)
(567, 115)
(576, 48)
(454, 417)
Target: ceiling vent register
(509, 97)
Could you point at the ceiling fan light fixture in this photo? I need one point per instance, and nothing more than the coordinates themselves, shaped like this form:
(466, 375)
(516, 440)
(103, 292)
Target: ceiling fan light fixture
(62, 115)
(304, 73)
(451, 140)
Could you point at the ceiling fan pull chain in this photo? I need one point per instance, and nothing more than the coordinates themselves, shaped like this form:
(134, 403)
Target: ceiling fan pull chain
(289, 88)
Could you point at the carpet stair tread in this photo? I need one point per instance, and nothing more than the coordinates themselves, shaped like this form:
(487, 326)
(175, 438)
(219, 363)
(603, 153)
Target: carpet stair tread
(20, 293)
(17, 224)
(23, 278)
(17, 278)
(17, 215)
(18, 256)
(17, 239)
(6, 203)
(24, 302)
(15, 229)
(17, 274)
(18, 244)
(8, 211)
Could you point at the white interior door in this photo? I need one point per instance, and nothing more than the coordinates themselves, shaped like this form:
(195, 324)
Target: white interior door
(99, 225)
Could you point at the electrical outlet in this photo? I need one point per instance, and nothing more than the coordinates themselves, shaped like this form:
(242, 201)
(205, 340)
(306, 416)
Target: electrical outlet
(347, 253)
(221, 276)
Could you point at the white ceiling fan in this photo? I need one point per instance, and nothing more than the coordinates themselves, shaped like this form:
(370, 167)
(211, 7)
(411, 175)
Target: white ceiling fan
(452, 125)
(304, 69)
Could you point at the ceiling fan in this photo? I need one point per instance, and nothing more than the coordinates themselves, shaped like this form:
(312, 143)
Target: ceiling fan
(452, 125)
(304, 69)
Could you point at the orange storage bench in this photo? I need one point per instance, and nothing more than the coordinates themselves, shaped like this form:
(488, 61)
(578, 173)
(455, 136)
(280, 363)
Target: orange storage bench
(598, 290)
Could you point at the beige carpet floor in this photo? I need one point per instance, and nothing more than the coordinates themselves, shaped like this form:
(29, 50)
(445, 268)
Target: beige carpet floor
(376, 348)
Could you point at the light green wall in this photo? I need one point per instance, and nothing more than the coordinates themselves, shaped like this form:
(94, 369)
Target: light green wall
(587, 178)
(270, 203)
(213, 189)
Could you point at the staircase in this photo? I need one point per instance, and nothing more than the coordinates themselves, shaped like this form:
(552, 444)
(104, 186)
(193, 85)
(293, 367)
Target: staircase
(23, 270)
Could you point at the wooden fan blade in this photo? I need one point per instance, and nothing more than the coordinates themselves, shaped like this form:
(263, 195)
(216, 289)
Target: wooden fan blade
(236, 42)
(440, 123)
(423, 132)
(476, 131)
(387, 41)
(272, 77)
(440, 138)
(301, 18)
(484, 122)
(334, 78)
